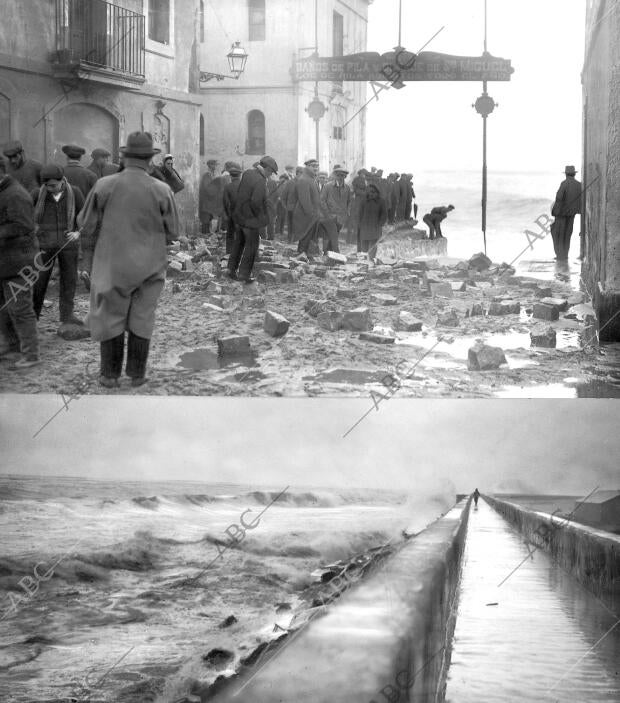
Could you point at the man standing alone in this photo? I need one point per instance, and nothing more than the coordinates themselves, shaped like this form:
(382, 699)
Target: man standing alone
(567, 205)
(127, 221)
(250, 215)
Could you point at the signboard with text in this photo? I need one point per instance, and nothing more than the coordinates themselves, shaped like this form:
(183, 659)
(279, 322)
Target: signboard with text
(402, 66)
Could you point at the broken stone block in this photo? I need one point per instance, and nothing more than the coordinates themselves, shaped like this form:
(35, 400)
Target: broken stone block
(542, 311)
(267, 277)
(188, 265)
(381, 272)
(429, 278)
(401, 273)
(284, 276)
(72, 332)
(320, 271)
(575, 299)
(357, 319)
(411, 280)
(314, 307)
(583, 312)
(386, 260)
(383, 299)
(218, 300)
(448, 318)
(543, 292)
(511, 307)
(442, 289)
(330, 320)
(345, 293)
(543, 336)
(560, 303)
(408, 322)
(212, 308)
(458, 286)
(432, 264)
(233, 344)
(213, 287)
(275, 324)
(174, 266)
(475, 310)
(377, 338)
(479, 261)
(335, 259)
(482, 357)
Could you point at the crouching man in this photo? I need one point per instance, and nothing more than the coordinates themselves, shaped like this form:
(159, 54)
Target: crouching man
(127, 221)
(18, 249)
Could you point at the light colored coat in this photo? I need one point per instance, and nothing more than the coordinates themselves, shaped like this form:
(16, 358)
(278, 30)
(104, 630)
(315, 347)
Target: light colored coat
(308, 205)
(126, 223)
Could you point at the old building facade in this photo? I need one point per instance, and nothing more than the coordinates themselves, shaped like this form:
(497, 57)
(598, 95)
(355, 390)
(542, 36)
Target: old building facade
(264, 111)
(601, 164)
(90, 72)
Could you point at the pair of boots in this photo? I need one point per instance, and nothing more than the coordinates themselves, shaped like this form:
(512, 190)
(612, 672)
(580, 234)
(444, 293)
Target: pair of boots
(112, 354)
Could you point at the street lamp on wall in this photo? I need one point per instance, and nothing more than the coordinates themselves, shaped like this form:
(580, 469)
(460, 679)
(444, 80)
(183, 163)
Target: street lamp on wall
(237, 58)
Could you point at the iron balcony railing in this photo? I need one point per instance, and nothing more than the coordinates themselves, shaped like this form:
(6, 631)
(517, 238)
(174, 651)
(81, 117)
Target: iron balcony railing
(100, 34)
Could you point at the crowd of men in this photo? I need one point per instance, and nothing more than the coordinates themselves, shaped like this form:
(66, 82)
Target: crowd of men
(110, 225)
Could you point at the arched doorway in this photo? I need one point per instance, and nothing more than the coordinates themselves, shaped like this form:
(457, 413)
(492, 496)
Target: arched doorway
(89, 126)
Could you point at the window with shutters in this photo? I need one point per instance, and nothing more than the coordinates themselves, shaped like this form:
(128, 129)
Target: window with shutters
(256, 17)
(256, 133)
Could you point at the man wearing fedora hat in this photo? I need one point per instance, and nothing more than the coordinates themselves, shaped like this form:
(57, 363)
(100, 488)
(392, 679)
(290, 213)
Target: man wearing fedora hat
(250, 216)
(336, 202)
(23, 170)
(567, 204)
(78, 175)
(127, 221)
(100, 165)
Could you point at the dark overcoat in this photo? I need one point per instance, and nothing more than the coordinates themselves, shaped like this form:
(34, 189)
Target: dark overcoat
(308, 206)
(373, 215)
(18, 243)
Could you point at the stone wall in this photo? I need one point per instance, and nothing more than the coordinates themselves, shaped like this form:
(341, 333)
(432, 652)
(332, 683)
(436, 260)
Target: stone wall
(590, 555)
(386, 638)
(601, 165)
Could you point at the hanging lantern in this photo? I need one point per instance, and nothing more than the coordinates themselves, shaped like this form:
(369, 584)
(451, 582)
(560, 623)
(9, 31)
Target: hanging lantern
(237, 57)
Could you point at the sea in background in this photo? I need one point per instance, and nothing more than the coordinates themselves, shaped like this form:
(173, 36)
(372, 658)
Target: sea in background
(514, 201)
(144, 573)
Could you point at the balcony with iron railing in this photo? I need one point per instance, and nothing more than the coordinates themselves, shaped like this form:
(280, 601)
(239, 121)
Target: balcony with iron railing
(99, 40)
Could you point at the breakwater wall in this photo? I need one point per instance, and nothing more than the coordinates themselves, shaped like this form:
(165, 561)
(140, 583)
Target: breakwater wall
(590, 555)
(385, 639)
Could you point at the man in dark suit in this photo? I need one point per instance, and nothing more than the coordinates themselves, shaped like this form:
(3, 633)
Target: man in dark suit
(100, 165)
(567, 204)
(78, 175)
(250, 215)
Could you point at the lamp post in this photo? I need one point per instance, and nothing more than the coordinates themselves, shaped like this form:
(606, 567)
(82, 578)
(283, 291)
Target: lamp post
(316, 110)
(484, 106)
(237, 58)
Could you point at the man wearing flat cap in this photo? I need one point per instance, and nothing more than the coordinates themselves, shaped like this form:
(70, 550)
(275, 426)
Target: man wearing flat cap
(250, 216)
(18, 249)
(567, 204)
(307, 212)
(210, 196)
(336, 201)
(230, 202)
(127, 221)
(56, 205)
(78, 175)
(100, 165)
(23, 170)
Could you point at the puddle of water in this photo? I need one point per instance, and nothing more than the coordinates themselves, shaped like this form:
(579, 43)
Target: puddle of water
(352, 376)
(205, 359)
(550, 390)
(599, 388)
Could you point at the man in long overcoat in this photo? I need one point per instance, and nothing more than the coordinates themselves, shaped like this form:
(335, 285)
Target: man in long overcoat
(567, 204)
(308, 206)
(403, 195)
(336, 203)
(210, 196)
(127, 221)
(230, 202)
(250, 216)
(358, 185)
(373, 215)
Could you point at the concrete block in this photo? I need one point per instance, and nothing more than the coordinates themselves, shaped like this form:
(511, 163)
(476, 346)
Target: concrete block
(541, 311)
(543, 291)
(284, 276)
(408, 322)
(330, 320)
(441, 290)
(560, 303)
(233, 344)
(482, 357)
(458, 286)
(543, 336)
(275, 324)
(429, 278)
(358, 320)
(377, 338)
(267, 277)
(475, 310)
(479, 262)
(346, 293)
(383, 299)
(320, 271)
(448, 318)
(335, 259)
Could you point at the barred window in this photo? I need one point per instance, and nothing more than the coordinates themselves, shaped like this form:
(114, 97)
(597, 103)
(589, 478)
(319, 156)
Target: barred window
(256, 133)
(256, 16)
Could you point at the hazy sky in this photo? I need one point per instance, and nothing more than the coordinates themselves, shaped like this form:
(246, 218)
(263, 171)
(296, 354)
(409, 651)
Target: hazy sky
(549, 446)
(537, 125)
